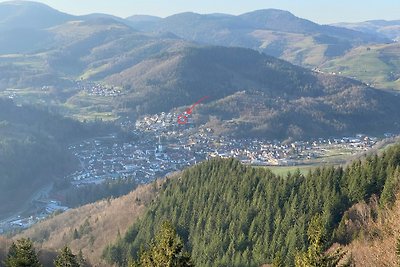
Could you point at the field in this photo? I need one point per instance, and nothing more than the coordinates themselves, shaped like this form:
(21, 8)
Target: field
(334, 157)
(376, 65)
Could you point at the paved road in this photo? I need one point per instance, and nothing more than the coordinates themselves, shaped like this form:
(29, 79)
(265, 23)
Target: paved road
(43, 191)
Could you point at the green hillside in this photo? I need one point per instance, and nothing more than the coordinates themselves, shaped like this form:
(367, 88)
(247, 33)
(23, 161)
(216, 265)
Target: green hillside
(376, 65)
(229, 214)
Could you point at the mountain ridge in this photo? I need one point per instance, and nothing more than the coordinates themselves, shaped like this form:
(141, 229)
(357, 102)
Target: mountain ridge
(275, 32)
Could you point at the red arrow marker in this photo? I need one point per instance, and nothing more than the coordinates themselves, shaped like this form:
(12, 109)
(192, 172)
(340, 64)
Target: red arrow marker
(183, 118)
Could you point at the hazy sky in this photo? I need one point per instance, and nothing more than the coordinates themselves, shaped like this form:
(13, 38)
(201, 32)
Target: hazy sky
(322, 11)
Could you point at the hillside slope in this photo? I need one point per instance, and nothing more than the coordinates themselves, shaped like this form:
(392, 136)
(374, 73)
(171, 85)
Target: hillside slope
(33, 151)
(377, 233)
(233, 215)
(378, 65)
(254, 94)
(98, 225)
(221, 207)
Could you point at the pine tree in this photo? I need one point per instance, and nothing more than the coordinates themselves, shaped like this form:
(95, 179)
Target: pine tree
(66, 259)
(278, 261)
(315, 255)
(22, 254)
(166, 250)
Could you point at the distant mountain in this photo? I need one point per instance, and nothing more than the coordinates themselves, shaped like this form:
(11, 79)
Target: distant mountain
(78, 48)
(143, 18)
(30, 15)
(30, 27)
(275, 32)
(23, 25)
(389, 29)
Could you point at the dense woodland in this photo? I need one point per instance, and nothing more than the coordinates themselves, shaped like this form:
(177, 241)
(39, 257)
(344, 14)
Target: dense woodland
(229, 214)
(33, 149)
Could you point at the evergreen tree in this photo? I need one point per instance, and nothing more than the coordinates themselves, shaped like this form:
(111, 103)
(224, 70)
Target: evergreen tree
(166, 250)
(315, 255)
(390, 188)
(278, 261)
(22, 254)
(66, 259)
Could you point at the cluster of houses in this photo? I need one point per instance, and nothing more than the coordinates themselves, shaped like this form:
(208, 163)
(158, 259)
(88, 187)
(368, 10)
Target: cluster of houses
(144, 160)
(262, 152)
(157, 122)
(97, 89)
(41, 209)
(163, 146)
(249, 150)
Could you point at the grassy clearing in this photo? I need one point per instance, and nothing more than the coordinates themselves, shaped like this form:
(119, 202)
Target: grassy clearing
(375, 65)
(331, 157)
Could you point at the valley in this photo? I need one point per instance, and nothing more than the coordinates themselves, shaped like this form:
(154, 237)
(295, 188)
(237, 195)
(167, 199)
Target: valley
(254, 139)
(159, 147)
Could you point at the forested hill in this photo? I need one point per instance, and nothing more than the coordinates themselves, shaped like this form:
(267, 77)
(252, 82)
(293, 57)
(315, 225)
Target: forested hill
(252, 94)
(229, 214)
(33, 150)
(21, 122)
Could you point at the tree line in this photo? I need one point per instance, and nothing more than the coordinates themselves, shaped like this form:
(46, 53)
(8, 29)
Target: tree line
(23, 254)
(229, 214)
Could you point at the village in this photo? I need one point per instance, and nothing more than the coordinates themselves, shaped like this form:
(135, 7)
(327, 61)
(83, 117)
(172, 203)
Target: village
(161, 146)
(97, 89)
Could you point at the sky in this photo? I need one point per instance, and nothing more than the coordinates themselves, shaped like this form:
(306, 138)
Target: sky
(321, 11)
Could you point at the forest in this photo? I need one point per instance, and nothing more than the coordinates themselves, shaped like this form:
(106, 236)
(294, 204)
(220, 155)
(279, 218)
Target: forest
(229, 214)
